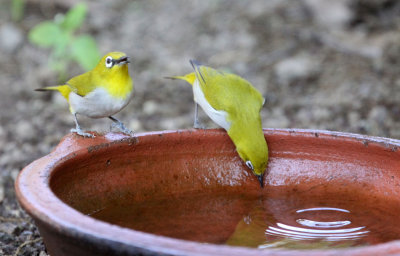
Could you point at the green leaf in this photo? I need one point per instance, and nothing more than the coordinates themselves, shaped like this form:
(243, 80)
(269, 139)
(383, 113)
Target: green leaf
(44, 34)
(61, 43)
(84, 50)
(74, 17)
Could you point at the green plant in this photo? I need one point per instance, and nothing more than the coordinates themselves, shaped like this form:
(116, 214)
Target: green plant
(60, 36)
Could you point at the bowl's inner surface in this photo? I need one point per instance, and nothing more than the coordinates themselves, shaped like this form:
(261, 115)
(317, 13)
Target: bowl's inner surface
(320, 192)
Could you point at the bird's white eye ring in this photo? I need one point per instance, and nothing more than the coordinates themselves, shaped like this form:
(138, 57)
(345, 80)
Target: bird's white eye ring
(109, 62)
(249, 164)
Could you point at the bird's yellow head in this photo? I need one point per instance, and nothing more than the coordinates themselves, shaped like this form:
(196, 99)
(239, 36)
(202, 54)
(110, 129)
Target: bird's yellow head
(113, 63)
(253, 151)
(112, 73)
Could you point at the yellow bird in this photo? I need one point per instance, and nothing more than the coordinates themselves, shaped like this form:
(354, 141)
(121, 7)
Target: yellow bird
(101, 92)
(234, 104)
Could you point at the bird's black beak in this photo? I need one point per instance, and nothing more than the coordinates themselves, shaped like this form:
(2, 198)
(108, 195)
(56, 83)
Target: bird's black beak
(261, 179)
(122, 61)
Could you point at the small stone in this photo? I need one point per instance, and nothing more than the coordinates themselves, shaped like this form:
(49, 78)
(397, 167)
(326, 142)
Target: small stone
(167, 124)
(24, 130)
(135, 125)
(11, 37)
(298, 67)
(256, 9)
(304, 116)
(8, 228)
(354, 119)
(321, 113)
(150, 107)
(332, 14)
(378, 114)
(25, 235)
(174, 123)
(276, 119)
(43, 253)
(16, 213)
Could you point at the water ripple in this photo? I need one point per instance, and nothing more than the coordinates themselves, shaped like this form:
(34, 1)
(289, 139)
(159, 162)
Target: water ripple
(318, 230)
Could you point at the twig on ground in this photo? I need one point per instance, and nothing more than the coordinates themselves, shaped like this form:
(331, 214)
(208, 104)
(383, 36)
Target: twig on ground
(12, 219)
(26, 243)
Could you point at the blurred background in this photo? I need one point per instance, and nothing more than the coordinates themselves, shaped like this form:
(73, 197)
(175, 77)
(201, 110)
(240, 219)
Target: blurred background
(320, 64)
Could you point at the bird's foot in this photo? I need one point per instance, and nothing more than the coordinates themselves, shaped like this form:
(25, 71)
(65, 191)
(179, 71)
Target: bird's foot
(122, 128)
(198, 125)
(82, 133)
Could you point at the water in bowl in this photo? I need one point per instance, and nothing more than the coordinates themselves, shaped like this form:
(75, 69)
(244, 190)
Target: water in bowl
(296, 221)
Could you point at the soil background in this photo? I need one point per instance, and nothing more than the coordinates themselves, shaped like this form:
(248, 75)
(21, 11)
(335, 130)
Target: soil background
(320, 64)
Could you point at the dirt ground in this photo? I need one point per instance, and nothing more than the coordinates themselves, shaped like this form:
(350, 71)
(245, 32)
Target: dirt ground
(320, 64)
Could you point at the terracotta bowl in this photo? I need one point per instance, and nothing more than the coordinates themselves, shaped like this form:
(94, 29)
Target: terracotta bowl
(82, 176)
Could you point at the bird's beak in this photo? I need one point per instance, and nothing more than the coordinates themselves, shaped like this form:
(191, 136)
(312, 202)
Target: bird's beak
(122, 61)
(261, 179)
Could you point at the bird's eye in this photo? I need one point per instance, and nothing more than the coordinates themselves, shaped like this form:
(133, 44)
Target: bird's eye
(250, 165)
(109, 62)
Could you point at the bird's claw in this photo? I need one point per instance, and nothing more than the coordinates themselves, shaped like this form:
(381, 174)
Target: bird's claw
(82, 133)
(122, 128)
(198, 125)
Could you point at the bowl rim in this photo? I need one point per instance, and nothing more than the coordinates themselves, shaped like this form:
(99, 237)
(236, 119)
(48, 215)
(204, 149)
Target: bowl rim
(35, 196)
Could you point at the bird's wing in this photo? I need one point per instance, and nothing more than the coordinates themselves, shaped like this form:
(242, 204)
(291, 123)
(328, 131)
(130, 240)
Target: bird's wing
(82, 84)
(228, 92)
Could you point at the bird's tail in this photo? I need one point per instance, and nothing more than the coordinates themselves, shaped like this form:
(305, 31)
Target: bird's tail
(63, 89)
(188, 78)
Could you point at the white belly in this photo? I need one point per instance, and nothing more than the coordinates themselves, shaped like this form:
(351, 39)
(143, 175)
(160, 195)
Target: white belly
(97, 104)
(218, 116)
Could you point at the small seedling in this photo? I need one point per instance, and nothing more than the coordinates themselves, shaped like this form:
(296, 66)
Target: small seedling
(60, 36)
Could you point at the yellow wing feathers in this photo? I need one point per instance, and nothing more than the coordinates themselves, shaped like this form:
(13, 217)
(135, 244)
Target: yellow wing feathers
(239, 96)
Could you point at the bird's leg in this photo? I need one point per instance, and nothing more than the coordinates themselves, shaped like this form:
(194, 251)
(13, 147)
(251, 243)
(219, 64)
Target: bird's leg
(79, 131)
(196, 123)
(120, 126)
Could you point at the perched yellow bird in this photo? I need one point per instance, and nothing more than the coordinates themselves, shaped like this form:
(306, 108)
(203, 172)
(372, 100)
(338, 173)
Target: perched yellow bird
(234, 104)
(101, 92)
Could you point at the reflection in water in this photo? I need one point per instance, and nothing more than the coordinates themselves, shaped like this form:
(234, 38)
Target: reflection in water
(298, 221)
